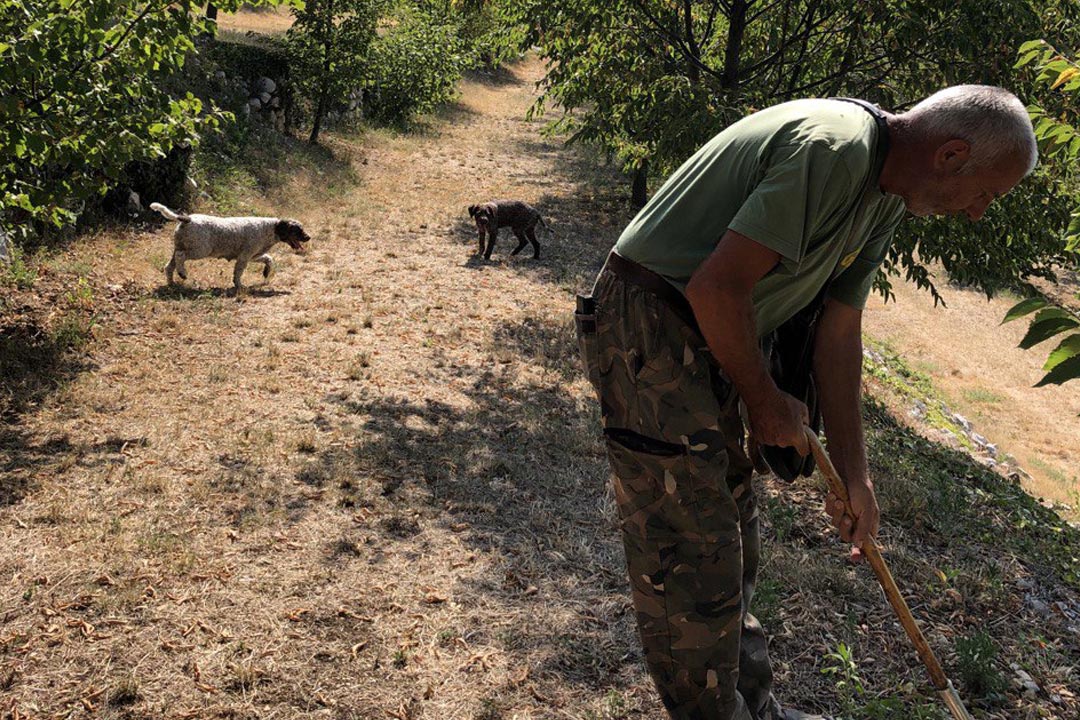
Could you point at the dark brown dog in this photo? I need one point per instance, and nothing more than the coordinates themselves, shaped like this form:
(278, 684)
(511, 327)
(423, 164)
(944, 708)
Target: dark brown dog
(518, 216)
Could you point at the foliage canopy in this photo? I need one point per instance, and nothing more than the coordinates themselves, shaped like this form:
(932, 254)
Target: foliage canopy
(649, 81)
(1059, 147)
(83, 93)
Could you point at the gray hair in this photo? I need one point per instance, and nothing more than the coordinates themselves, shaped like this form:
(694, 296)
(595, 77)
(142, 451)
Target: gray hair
(991, 119)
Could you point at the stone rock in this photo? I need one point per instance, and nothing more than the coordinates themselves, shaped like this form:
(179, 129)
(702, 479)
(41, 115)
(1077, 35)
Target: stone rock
(992, 449)
(962, 421)
(265, 85)
(979, 439)
(220, 75)
(1038, 606)
(265, 98)
(134, 203)
(1031, 688)
(255, 104)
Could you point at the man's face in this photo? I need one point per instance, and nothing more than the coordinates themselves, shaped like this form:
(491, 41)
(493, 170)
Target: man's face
(949, 191)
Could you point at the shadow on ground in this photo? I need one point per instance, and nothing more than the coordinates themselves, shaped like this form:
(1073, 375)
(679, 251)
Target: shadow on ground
(523, 469)
(35, 361)
(21, 460)
(187, 292)
(500, 77)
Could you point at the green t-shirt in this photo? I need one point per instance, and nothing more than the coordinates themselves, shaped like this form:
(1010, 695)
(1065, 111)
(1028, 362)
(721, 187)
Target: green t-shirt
(795, 178)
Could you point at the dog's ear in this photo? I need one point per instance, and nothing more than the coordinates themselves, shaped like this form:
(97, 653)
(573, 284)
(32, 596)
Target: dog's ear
(288, 230)
(472, 210)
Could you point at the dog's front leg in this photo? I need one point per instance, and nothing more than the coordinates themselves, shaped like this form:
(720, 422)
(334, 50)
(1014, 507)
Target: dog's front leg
(493, 233)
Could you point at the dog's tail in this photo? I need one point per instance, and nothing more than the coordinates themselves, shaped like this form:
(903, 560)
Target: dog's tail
(169, 214)
(551, 233)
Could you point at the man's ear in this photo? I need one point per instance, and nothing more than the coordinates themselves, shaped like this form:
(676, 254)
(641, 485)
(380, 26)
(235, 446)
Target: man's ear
(952, 155)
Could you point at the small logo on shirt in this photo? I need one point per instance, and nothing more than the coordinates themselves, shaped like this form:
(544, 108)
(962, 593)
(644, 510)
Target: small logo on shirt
(848, 259)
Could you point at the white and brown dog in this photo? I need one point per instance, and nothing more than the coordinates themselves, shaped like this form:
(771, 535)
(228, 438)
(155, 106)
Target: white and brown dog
(243, 239)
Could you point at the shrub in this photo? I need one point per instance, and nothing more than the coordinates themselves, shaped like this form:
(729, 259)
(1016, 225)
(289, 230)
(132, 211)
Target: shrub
(413, 67)
(66, 136)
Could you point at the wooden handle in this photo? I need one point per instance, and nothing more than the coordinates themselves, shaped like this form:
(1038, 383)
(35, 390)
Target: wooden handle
(872, 551)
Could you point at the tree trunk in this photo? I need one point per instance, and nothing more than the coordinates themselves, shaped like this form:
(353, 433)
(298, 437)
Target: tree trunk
(639, 193)
(693, 73)
(324, 90)
(736, 30)
(320, 111)
(211, 12)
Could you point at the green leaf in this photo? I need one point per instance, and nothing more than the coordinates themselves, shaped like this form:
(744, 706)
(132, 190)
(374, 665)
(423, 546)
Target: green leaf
(1024, 307)
(1069, 348)
(1032, 45)
(1067, 370)
(1048, 323)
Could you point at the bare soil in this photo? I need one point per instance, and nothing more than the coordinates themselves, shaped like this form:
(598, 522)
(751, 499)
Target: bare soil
(373, 487)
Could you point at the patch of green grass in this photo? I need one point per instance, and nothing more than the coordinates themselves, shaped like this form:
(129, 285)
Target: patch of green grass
(943, 495)
(895, 373)
(18, 272)
(781, 515)
(253, 160)
(981, 396)
(1055, 474)
(766, 602)
(975, 656)
(72, 332)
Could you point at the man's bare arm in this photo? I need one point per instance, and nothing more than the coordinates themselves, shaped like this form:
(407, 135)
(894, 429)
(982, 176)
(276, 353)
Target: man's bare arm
(838, 372)
(721, 295)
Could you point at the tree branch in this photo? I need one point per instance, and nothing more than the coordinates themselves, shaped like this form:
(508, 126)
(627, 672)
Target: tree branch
(675, 41)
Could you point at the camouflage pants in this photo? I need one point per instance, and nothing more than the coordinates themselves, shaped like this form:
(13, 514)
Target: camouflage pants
(689, 517)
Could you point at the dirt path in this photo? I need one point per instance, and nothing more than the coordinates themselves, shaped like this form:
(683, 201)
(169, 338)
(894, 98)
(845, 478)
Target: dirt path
(334, 498)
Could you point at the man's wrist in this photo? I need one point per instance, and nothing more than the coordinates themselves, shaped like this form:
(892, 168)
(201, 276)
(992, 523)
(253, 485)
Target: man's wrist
(859, 481)
(758, 391)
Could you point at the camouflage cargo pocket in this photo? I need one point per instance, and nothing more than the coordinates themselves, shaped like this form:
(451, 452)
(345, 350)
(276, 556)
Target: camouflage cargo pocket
(665, 491)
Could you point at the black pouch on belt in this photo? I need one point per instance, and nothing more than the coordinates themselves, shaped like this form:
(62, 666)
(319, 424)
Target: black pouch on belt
(791, 366)
(585, 324)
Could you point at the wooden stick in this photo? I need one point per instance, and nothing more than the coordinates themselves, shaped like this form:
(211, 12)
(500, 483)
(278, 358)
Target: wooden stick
(872, 551)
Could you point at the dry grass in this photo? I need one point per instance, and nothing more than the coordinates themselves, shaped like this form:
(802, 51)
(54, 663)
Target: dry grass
(263, 21)
(373, 488)
(977, 365)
